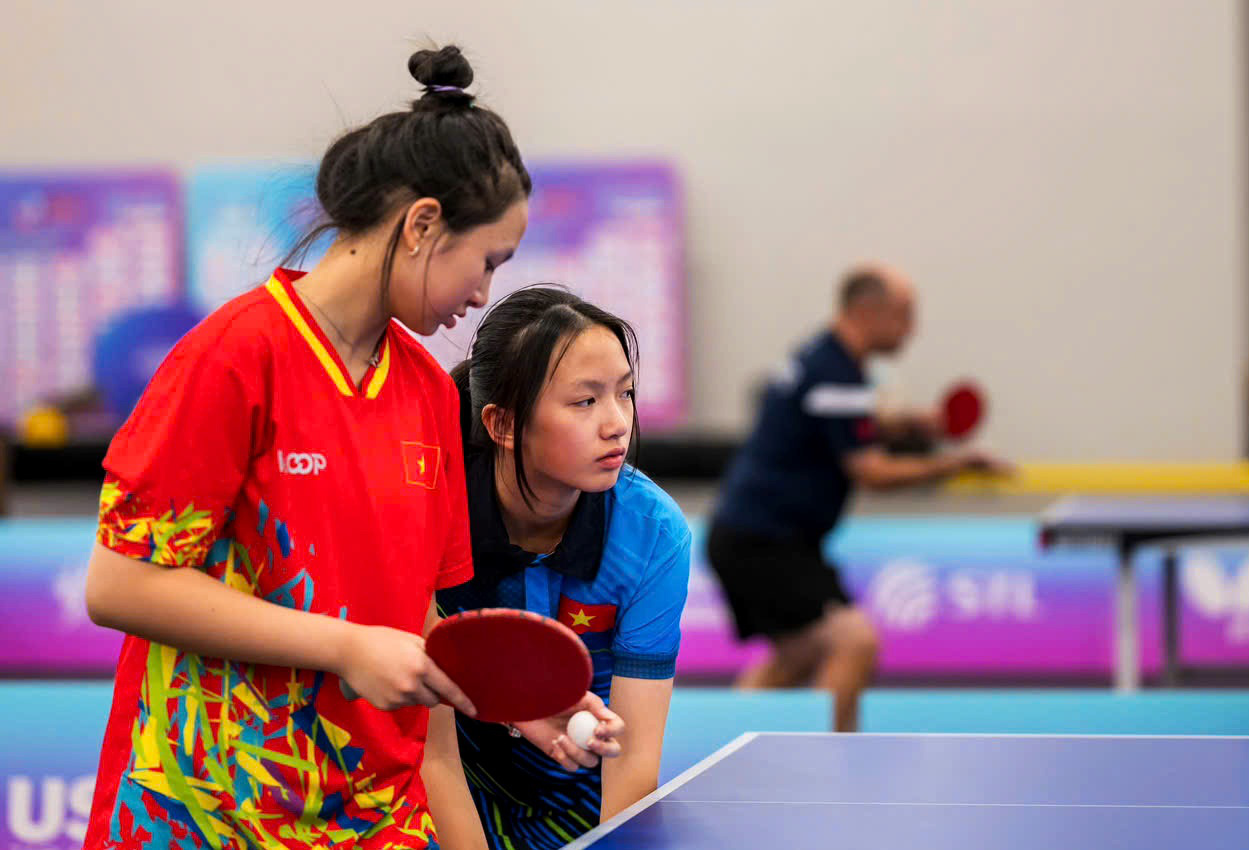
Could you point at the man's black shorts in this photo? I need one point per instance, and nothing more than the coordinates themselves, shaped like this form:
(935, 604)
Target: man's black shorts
(775, 585)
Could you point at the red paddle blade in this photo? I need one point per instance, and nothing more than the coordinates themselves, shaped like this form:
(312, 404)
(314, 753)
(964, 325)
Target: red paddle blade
(514, 665)
(964, 407)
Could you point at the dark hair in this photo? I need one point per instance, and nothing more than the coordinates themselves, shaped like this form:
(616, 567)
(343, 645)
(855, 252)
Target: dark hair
(511, 360)
(860, 285)
(444, 147)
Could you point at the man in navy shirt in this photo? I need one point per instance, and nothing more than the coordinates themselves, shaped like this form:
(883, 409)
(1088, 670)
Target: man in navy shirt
(817, 437)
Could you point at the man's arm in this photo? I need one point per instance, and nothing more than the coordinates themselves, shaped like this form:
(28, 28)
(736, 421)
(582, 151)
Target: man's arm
(875, 469)
(925, 422)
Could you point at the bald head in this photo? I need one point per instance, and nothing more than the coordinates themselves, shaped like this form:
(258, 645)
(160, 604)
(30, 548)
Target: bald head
(875, 282)
(878, 302)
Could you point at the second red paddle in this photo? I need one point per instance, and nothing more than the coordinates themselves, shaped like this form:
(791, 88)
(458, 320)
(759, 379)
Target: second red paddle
(514, 665)
(962, 409)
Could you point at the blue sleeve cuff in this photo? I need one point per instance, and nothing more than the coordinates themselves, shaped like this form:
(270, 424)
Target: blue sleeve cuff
(644, 666)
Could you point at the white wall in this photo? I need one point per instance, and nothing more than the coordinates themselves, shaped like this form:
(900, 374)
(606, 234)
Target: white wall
(1065, 180)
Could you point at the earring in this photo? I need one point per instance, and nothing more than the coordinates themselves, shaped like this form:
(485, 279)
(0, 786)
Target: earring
(415, 250)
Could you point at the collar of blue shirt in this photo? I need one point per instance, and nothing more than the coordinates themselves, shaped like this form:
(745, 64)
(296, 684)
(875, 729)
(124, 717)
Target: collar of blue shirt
(495, 557)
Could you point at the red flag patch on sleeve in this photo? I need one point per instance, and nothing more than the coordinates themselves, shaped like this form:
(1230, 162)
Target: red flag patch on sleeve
(866, 430)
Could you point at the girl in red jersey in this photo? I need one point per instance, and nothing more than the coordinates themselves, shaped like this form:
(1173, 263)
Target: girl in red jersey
(283, 502)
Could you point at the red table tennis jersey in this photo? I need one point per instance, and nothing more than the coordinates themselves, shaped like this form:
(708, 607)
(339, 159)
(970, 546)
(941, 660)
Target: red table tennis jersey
(253, 457)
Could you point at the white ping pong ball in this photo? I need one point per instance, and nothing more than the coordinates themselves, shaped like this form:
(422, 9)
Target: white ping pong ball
(581, 728)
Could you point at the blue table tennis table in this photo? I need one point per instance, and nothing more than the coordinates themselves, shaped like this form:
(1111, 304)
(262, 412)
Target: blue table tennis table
(948, 792)
(1127, 524)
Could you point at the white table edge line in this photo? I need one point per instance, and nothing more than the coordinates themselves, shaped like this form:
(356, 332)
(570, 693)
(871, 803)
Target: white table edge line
(659, 793)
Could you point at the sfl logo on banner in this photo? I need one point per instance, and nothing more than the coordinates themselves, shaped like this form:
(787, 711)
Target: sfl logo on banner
(301, 463)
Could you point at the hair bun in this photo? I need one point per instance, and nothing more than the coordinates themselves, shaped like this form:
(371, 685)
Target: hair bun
(444, 69)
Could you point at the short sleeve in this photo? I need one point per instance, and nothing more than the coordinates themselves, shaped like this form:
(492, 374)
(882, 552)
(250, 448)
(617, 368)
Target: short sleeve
(457, 560)
(175, 468)
(648, 633)
(844, 412)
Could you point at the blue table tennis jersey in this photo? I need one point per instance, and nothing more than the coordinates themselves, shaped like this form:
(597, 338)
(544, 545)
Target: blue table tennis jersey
(619, 579)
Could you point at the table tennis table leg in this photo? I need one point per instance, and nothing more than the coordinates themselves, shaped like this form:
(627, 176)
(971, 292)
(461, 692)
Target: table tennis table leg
(1170, 619)
(1127, 662)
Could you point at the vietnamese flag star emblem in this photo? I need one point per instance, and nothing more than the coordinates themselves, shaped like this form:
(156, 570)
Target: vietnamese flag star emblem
(420, 464)
(582, 618)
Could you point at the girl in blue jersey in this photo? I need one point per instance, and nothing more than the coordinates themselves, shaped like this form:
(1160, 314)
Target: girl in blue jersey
(563, 526)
